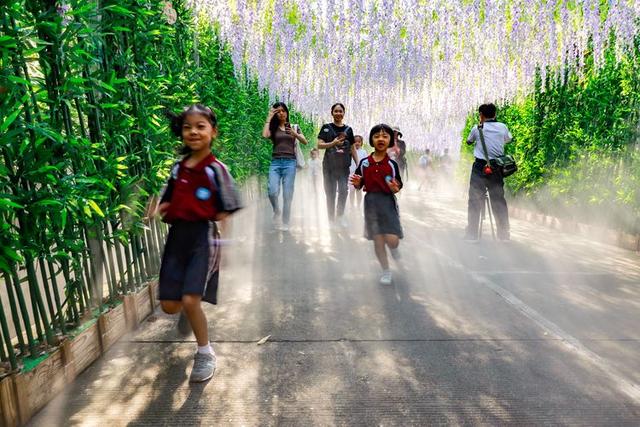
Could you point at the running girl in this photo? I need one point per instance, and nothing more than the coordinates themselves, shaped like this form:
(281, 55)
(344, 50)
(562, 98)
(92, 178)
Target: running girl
(380, 178)
(200, 191)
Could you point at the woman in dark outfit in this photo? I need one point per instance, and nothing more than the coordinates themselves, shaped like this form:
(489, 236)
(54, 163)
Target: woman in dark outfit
(338, 140)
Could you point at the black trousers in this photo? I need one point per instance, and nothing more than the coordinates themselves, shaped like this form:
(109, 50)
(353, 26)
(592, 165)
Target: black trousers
(335, 181)
(479, 184)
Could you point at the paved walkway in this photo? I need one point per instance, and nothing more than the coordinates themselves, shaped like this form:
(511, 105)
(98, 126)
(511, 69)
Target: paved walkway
(540, 330)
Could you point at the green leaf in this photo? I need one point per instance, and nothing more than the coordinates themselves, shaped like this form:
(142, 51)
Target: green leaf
(106, 86)
(7, 42)
(12, 117)
(95, 207)
(12, 254)
(18, 80)
(63, 218)
(9, 203)
(47, 202)
(119, 10)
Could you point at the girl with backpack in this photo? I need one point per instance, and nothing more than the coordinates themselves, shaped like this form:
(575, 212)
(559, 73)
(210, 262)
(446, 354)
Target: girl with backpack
(200, 191)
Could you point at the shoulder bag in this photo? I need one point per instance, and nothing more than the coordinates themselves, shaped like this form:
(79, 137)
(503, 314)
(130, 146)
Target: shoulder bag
(505, 165)
(300, 162)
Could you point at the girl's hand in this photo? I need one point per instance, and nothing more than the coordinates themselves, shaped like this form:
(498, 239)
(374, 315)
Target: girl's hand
(162, 208)
(272, 112)
(356, 180)
(393, 185)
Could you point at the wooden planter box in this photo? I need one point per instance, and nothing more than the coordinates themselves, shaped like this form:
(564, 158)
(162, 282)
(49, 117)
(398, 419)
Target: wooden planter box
(34, 389)
(9, 415)
(112, 325)
(144, 306)
(25, 393)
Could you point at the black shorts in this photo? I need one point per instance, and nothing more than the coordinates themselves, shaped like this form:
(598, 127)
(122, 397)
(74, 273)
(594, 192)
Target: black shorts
(381, 215)
(190, 261)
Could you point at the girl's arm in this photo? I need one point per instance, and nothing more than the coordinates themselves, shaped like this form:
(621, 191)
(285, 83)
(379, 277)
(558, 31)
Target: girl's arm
(165, 197)
(357, 179)
(295, 130)
(266, 133)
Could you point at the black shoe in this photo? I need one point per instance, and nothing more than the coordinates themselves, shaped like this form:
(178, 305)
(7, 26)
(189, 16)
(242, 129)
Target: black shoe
(472, 238)
(504, 236)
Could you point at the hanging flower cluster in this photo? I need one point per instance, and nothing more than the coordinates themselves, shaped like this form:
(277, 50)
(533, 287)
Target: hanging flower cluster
(170, 13)
(421, 65)
(64, 11)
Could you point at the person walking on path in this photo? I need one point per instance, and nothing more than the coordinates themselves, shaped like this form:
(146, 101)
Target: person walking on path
(314, 167)
(355, 196)
(282, 171)
(425, 163)
(199, 192)
(339, 142)
(483, 178)
(380, 178)
(400, 149)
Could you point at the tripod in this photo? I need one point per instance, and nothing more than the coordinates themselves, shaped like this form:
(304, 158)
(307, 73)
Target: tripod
(486, 211)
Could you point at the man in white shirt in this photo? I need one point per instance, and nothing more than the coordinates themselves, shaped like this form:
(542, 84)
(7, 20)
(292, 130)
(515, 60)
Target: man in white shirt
(484, 179)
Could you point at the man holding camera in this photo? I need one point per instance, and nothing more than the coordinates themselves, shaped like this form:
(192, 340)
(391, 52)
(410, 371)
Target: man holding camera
(485, 176)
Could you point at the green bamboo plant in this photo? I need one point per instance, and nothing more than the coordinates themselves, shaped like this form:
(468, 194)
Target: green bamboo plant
(84, 147)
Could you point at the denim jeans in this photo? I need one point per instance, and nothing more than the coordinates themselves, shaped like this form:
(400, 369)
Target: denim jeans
(282, 172)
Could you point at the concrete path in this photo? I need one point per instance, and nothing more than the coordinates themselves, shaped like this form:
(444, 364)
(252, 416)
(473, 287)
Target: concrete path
(542, 330)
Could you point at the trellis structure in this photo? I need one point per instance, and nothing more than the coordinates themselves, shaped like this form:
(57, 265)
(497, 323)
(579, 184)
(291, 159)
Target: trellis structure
(422, 65)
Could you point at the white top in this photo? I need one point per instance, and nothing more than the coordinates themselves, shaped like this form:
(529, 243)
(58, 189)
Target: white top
(496, 134)
(314, 165)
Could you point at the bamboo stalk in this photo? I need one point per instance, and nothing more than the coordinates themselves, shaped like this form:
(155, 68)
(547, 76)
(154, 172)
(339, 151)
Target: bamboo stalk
(121, 269)
(23, 310)
(47, 291)
(56, 295)
(111, 261)
(7, 340)
(14, 312)
(36, 297)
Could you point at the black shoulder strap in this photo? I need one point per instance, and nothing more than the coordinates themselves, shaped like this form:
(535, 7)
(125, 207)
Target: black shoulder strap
(484, 146)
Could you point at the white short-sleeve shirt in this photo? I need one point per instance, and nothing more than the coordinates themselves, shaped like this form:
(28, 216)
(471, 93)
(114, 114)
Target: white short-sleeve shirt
(496, 134)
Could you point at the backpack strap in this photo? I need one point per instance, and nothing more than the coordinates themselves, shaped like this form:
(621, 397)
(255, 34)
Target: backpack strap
(174, 170)
(226, 193)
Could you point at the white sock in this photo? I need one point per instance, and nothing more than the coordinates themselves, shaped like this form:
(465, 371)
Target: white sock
(206, 349)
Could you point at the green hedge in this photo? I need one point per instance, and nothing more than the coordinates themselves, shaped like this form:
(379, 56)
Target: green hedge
(576, 142)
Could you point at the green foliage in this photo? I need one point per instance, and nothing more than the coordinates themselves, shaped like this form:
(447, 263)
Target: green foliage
(240, 105)
(84, 142)
(576, 142)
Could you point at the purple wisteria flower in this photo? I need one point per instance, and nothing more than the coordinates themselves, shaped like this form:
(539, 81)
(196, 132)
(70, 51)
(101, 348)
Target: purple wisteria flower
(437, 59)
(63, 10)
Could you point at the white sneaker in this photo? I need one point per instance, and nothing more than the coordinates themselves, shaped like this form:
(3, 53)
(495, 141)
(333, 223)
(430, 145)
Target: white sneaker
(204, 365)
(284, 227)
(277, 223)
(386, 278)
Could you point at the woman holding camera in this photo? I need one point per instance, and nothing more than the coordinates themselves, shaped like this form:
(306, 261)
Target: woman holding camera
(338, 141)
(282, 171)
